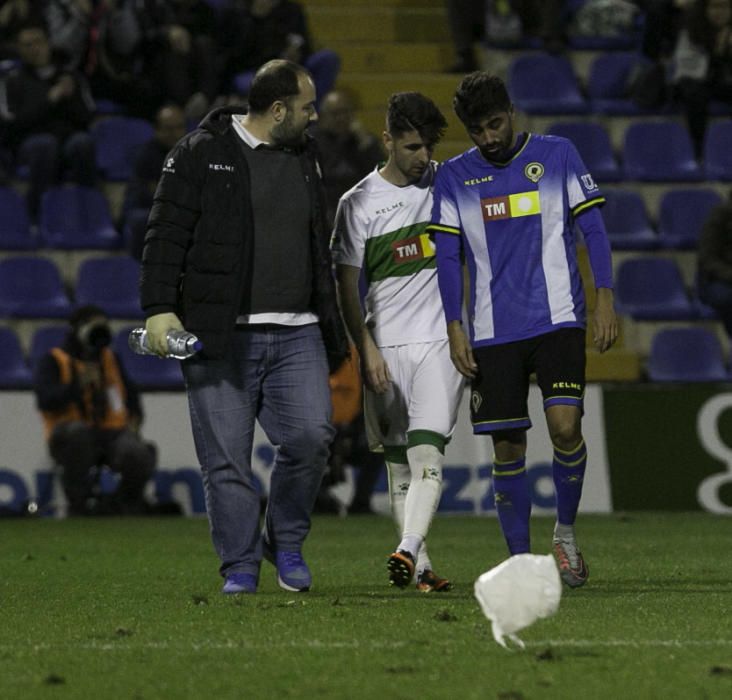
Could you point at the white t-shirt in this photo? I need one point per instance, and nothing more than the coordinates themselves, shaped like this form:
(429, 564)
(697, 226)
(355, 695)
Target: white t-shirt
(380, 227)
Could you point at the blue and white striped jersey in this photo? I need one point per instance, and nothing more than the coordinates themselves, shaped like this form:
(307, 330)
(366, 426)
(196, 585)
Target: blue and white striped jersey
(513, 224)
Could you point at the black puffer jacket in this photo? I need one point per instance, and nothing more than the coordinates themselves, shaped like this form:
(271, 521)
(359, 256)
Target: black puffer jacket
(198, 248)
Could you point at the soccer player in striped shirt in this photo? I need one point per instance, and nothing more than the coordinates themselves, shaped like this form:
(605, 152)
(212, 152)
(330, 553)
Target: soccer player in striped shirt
(412, 388)
(508, 208)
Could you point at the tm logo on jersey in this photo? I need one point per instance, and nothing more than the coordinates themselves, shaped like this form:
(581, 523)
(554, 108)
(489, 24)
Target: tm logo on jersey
(415, 248)
(511, 206)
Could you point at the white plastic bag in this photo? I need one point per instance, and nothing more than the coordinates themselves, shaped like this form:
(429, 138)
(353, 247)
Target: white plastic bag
(517, 592)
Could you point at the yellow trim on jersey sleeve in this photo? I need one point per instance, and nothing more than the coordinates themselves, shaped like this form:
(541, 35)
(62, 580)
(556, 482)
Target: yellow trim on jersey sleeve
(587, 204)
(439, 228)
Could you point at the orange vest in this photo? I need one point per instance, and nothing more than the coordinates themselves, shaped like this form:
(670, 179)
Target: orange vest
(116, 416)
(345, 390)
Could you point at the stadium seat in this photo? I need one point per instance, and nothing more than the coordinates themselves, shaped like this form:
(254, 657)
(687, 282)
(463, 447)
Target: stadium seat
(718, 151)
(77, 217)
(686, 355)
(652, 289)
(659, 151)
(593, 144)
(15, 232)
(14, 372)
(609, 81)
(626, 221)
(117, 140)
(543, 84)
(31, 287)
(43, 339)
(147, 371)
(681, 216)
(112, 284)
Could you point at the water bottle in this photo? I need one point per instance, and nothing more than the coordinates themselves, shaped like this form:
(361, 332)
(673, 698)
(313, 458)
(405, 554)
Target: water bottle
(181, 344)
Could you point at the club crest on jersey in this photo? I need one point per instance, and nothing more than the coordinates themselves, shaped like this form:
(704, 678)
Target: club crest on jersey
(588, 182)
(534, 171)
(511, 206)
(415, 248)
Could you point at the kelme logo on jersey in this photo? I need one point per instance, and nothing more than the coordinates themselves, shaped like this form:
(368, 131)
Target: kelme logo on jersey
(520, 204)
(415, 248)
(475, 401)
(534, 171)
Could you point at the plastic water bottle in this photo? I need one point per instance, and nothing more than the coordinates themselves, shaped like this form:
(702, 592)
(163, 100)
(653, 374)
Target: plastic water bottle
(181, 344)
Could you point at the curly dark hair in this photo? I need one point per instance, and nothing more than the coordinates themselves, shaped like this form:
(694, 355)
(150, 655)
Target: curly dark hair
(479, 95)
(412, 111)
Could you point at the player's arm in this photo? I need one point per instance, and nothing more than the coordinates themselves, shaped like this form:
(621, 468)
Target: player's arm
(605, 321)
(374, 370)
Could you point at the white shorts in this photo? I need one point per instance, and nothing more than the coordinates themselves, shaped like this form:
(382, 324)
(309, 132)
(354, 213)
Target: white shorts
(425, 393)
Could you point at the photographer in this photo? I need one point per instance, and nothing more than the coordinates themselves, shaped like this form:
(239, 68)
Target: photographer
(92, 414)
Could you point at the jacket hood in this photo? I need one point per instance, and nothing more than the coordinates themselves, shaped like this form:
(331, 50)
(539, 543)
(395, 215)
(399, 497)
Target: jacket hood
(219, 120)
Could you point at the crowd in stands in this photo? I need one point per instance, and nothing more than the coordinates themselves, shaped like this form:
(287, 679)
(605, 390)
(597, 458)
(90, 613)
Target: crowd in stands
(69, 66)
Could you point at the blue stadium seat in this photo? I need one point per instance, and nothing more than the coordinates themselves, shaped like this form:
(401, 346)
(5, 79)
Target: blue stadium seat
(543, 84)
(681, 216)
(112, 284)
(652, 289)
(686, 355)
(147, 371)
(77, 217)
(593, 144)
(15, 232)
(718, 151)
(609, 82)
(43, 339)
(659, 151)
(14, 372)
(31, 287)
(626, 221)
(118, 140)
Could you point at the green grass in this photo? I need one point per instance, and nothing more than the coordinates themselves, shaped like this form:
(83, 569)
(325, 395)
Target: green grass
(132, 609)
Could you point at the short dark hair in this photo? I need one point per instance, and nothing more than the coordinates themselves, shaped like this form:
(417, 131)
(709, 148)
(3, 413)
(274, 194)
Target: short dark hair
(83, 314)
(479, 95)
(412, 111)
(275, 80)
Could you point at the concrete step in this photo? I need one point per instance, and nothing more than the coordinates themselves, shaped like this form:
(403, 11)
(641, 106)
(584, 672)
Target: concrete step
(377, 24)
(615, 365)
(377, 57)
(321, 5)
(373, 90)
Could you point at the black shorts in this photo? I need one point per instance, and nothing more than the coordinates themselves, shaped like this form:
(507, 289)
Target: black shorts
(499, 393)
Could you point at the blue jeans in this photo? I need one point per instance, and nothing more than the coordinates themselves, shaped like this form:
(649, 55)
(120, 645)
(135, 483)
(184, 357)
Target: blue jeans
(277, 375)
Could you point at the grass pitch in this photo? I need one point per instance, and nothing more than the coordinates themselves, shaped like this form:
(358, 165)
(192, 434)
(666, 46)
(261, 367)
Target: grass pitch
(133, 609)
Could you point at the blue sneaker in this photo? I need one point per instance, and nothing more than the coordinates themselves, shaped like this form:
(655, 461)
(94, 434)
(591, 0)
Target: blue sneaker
(292, 572)
(239, 582)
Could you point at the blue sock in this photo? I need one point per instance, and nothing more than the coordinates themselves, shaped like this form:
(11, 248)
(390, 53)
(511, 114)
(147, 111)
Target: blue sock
(569, 472)
(513, 503)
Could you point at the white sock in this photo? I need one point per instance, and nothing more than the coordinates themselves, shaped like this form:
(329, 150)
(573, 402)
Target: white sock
(399, 478)
(423, 496)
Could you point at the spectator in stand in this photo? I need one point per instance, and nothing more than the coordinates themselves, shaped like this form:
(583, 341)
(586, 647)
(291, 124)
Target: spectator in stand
(466, 19)
(661, 24)
(15, 14)
(714, 271)
(252, 32)
(92, 415)
(69, 23)
(185, 64)
(347, 151)
(703, 63)
(170, 127)
(44, 114)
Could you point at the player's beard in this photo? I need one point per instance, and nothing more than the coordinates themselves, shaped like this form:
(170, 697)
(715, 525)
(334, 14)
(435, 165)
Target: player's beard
(498, 153)
(288, 133)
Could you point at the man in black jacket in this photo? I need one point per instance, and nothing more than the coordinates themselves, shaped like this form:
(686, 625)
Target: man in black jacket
(237, 252)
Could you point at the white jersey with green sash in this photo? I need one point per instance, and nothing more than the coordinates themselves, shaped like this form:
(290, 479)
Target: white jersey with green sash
(380, 227)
